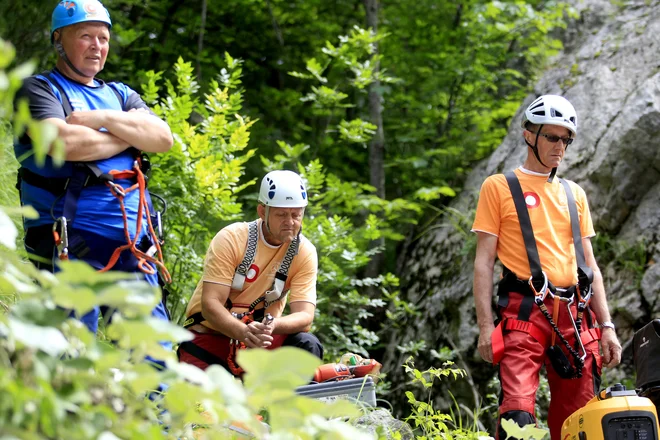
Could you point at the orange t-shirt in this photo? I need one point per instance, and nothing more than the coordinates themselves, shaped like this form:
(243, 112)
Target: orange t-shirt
(548, 211)
(226, 252)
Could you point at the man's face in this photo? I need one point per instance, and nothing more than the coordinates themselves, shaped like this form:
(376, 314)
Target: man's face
(551, 153)
(86, 45)
(284, 223)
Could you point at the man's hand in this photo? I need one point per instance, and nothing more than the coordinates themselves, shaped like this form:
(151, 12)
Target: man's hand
(611, 348)
(259, 335)
(485, 346)
(94, 119)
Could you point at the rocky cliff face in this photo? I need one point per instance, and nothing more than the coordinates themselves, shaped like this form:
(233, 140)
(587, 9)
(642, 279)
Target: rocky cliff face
(610, 71)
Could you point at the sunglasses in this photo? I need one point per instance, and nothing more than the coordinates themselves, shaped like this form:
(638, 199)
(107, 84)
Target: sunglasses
(552, 138)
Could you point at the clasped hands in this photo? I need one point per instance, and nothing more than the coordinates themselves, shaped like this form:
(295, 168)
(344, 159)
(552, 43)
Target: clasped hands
(259, 334)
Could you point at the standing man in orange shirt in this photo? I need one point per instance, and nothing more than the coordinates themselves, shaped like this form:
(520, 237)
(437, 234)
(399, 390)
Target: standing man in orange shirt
(250, 270)
(551, 305)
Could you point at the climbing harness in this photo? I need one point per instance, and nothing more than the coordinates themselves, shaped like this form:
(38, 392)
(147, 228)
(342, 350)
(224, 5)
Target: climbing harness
(275, 293)
(538, 288)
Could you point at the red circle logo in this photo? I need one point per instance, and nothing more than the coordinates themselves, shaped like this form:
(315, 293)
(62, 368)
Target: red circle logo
(252, 273)
(532, 199)
(91, 7)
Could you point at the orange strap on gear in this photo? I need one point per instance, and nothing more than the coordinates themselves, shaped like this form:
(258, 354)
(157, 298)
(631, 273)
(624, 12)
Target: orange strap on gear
(234, 346)
(143, 207)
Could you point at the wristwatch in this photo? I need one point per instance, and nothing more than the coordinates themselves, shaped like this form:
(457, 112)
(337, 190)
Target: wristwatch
(607, 324)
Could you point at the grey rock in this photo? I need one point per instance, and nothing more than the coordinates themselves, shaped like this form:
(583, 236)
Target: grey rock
(380, 417)
(615, 88)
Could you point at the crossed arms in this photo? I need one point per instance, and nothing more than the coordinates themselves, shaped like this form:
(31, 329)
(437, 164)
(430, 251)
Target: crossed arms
(137, 127)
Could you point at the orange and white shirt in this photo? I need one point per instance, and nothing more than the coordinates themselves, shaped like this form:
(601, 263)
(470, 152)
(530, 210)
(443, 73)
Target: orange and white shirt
(548, 211)
(226, 252)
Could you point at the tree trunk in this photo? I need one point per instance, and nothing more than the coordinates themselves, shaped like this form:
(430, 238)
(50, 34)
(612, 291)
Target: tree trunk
(162, 38)
(200, 42)
(377, 145)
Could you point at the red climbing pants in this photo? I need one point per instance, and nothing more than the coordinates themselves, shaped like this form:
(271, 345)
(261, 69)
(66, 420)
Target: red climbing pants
(519, 346)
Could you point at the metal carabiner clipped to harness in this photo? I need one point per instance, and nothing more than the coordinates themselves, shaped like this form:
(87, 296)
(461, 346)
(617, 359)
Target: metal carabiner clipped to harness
(61, 238)
(539, 296)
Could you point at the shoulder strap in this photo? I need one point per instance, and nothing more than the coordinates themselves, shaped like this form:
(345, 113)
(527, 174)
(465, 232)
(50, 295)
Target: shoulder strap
(118, 95)
(248, 258)
(525, 225)
(66, 104)
(282, 274)
(583, 269)
(575, 224)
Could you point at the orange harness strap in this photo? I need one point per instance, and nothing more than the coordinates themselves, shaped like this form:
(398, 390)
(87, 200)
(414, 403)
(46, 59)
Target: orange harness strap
(234, 346)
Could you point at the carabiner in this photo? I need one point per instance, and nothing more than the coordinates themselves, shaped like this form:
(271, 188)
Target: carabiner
(539, 297)
(61, 238)
(577, 332)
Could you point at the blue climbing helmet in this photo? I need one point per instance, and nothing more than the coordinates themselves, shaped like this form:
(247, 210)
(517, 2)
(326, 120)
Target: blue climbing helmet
(70, 12)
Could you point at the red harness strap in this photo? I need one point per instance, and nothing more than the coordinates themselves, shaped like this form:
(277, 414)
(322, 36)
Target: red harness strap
(514, 325)
(593, 334)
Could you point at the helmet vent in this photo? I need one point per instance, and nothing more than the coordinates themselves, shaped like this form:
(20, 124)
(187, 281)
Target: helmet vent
(539, 113)
(555, 113)
(534, 107)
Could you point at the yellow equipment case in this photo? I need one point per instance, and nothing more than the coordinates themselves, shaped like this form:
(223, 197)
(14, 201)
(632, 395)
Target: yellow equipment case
(614, 414)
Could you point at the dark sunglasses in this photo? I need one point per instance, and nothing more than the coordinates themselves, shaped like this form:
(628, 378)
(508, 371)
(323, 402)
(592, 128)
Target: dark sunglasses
(552, 138)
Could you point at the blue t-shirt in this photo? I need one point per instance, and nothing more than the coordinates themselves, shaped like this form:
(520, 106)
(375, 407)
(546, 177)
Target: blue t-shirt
(98, 210)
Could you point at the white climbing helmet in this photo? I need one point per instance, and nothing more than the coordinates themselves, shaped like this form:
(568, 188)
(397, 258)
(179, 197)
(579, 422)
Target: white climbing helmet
(551, 110)
(283, 189)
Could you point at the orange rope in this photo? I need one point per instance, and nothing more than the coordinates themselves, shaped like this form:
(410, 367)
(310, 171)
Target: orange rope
(234, 346)
(143, 206)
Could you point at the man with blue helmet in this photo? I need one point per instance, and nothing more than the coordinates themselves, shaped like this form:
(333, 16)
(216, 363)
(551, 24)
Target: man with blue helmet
(95, 207)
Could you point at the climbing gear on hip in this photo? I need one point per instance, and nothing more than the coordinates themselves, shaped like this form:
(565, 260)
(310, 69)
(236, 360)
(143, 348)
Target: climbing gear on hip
(540, 287)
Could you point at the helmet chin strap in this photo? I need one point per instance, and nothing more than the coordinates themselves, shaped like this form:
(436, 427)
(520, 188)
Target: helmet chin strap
(536, 153)
(267, 217)
(62, 53)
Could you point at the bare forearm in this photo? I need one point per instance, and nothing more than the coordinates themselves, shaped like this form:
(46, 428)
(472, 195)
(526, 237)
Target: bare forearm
(140, 129)
(483, 295)
(82, 144)
(222, 320)
(293, 323)
(599, 301)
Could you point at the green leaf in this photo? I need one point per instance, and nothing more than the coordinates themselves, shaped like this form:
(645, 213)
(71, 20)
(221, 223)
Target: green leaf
(514, 430)
(284, 368)
(8, 232)
(434, 193)
(133, 297)
(48, 339)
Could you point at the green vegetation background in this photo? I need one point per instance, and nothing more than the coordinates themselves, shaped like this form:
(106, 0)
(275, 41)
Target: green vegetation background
(249, 85)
